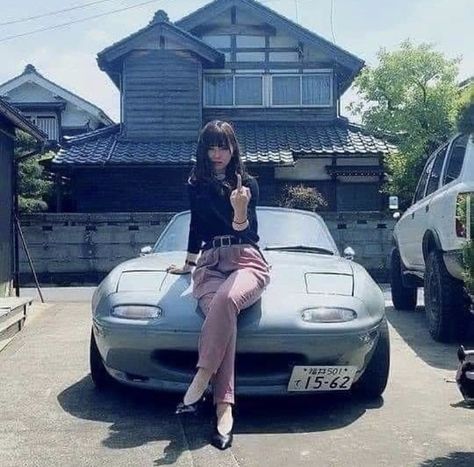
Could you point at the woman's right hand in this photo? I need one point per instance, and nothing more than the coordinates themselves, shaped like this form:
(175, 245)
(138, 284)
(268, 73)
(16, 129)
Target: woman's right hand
(173, 269)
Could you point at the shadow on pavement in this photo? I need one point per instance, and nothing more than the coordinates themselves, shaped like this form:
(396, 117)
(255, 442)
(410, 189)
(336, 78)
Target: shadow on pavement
(453, 459)
(413, 329)
(140, 416)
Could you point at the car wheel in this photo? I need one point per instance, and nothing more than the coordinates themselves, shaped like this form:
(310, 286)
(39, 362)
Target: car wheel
(373, 381)
(99, 374)
(445, 304)
(403, 298)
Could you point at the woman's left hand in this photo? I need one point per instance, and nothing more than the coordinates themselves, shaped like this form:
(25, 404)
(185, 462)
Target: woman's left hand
(240, 197)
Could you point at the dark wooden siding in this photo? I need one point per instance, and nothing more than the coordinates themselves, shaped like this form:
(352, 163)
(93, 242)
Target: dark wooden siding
(162, 95)
(151, 189)
(359, 197)
(273, 114)
(145, 189)
(6, 159)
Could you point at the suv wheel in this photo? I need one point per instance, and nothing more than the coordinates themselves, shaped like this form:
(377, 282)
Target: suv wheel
(445, 304)
(403, 298)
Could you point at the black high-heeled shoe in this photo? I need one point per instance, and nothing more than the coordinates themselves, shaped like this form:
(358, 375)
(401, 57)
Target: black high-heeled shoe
(221, 441)
(193, 409)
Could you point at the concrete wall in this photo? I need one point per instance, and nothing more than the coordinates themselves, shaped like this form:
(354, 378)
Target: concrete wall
(83, 248)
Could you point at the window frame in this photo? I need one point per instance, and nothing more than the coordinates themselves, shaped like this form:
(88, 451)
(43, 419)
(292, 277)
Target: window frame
(300, 75)
(444, 148)
(425, 167)
(448, 159)
(250, 75)
(267, 88)
(34, 117)
(233, 105)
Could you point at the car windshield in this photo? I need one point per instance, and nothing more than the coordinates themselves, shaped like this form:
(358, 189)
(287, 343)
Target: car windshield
(278, 229)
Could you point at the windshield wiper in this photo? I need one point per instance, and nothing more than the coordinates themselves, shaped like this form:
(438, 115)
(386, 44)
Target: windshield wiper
(315, 249)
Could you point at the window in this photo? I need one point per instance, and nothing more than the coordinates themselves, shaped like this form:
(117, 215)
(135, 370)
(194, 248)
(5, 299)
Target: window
(256, 89)
(46, 123)
(233, 90)
(307, 90)
(286, 90)
(218, 90)
(455, 159)
(316, 89)
(248, 90)
(435, 176)
(420, 189)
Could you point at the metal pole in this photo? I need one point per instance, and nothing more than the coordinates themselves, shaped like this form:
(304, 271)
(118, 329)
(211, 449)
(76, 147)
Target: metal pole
(17, 223)
(16, 250)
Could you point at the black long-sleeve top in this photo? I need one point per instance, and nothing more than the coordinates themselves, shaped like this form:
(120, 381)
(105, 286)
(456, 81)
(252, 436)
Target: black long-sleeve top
(205, 224)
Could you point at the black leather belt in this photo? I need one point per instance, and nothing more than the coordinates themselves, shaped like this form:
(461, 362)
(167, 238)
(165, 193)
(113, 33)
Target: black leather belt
(223, 240)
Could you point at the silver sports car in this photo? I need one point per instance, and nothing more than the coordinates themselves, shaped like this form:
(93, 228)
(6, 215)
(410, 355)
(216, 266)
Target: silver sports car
(319, 326)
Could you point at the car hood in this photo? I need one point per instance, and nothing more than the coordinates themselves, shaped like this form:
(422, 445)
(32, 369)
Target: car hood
(298, 281)
(294, 272)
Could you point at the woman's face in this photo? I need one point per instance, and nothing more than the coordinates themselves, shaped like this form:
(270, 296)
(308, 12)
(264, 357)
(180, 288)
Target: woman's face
(220, 158)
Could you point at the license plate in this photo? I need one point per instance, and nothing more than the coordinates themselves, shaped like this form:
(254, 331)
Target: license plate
(321, 378)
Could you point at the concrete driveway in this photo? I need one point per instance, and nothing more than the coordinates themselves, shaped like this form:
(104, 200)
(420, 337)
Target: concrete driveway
(51, 415)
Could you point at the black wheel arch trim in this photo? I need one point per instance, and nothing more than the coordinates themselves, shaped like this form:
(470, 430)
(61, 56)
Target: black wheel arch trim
(429, 237)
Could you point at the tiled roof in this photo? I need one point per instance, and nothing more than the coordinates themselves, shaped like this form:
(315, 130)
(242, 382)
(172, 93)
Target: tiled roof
(261, 143)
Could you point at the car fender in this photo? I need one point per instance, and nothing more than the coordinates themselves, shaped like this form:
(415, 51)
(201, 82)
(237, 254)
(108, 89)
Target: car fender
(431, 240)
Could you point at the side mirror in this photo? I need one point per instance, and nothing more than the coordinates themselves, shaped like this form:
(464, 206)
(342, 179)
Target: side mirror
(146, 250)
(349, 253)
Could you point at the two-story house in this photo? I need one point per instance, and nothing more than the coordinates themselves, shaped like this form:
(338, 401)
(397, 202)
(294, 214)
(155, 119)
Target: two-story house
(52, 108)
(278, 83)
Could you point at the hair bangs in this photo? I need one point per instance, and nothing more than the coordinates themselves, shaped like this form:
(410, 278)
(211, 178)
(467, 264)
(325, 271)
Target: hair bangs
(216, 136)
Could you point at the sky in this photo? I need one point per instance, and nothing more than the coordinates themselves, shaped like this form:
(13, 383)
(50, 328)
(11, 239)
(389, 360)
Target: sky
(67, 55)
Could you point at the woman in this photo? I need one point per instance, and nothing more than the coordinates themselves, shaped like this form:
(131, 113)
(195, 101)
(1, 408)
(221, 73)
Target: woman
(231, 273)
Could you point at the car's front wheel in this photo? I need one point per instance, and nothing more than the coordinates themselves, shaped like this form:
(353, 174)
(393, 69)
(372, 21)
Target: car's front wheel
(403, 298)
(374, 380)
(445, 304)
(99, 375)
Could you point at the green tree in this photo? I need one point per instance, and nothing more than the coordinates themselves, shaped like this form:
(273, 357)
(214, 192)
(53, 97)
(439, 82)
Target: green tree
(465, 117)
(34, 187)
(411, 97)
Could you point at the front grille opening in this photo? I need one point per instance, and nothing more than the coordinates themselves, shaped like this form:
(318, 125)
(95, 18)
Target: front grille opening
(246, 364)
(136, 378)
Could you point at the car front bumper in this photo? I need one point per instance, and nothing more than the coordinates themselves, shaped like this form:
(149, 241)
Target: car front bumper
(167, 360)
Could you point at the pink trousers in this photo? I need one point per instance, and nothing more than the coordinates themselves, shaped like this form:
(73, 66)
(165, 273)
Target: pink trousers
(226, 280)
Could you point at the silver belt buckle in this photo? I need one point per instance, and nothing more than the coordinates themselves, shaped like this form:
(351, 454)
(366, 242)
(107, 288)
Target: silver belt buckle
(228, 237)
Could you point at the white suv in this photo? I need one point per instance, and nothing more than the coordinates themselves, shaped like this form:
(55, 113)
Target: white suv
(428, 240)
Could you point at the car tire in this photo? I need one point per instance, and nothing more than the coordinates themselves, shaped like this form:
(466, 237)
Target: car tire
(445, 303)
(374, 380)
(403, 298)
(99, 375)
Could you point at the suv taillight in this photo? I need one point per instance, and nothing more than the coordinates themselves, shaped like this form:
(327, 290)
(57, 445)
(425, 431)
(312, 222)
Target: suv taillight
(463, 214)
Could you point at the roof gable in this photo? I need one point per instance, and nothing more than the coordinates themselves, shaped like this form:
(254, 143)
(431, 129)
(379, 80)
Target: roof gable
(158, 27)
(30, 75)
(217, 7)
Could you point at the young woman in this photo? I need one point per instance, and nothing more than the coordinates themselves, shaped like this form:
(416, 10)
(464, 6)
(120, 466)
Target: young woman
(231, 273)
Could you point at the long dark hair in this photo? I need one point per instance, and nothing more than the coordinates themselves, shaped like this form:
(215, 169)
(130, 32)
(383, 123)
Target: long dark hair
(221, 134)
